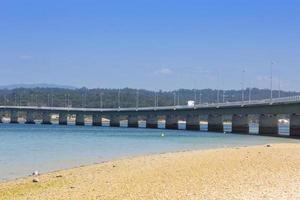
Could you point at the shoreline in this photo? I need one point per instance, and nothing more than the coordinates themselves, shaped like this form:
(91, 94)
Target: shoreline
(125, 158)
(144, 155)
(254, 172)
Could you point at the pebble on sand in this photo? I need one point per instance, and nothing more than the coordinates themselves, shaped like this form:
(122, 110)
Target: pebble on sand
(35, 180)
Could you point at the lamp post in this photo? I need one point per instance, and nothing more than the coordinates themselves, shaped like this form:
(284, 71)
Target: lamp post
(48, 102)
(178, 98)
(243, 86)
(101, 100)
(279, 86)
(15, 100)
(66, 104)
(68, 100)
(271, 81)
(200, 98)
(218, 87)
(174, 98)
(119, 99)
(137, 98)
(36, 100)
(155, 99)
(250, 94)
(52, 96)
(85, 98)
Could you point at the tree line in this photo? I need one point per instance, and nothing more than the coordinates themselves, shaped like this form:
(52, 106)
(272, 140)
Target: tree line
(128, 97)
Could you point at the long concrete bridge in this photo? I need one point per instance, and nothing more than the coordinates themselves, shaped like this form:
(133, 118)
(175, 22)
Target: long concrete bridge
(266, 111)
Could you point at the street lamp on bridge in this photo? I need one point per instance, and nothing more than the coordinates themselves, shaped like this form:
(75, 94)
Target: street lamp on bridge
(137, 98)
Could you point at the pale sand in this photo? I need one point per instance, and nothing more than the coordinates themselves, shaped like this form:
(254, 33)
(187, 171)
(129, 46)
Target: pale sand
(259, 172)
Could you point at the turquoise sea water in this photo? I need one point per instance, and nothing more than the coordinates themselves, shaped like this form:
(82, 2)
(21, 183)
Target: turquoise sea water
(26, 148)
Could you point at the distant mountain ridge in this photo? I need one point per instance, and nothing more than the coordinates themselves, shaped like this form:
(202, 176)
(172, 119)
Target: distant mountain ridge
(37, 85)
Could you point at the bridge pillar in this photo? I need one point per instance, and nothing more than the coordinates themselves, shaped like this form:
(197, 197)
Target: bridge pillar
(240, 124)
(295, 125)
(171, 122)
(133, 121)
(63, 119)
(215, 123)
(14, 117)
(79, 121)
(29, 118)
(268, 124)
(46, 118)
(193, 122)
(97, 120)
(151, 121)
(114, 121)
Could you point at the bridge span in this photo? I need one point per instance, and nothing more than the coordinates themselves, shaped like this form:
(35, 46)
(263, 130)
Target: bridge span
(239, 113)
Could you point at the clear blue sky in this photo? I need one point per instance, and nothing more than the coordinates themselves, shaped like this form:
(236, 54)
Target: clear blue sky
(153, 44)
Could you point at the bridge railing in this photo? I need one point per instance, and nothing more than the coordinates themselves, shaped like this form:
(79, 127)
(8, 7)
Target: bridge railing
(204, 105)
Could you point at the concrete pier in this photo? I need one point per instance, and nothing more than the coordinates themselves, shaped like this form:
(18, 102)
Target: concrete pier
(240, 124)
(151, 121)
(97, 120)
(268, 124)
(46, 118)
(193, 122)
(215, 123)
(79, 120)
(133, 121)
(29, 118)
(171, 122)
(114, 121)
(14, 117)
(63, 119)
(295, 125)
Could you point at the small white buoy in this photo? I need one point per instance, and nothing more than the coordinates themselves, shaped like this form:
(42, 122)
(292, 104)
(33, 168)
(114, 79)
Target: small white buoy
(35, 173)
(162, 135)
(224, 132)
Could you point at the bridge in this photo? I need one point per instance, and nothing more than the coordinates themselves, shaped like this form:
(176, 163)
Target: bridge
(267, 111)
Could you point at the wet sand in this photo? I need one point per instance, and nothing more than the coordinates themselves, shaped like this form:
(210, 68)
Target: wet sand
(259, 172)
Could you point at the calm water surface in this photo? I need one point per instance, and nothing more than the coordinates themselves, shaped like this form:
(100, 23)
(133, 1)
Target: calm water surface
(25, 148)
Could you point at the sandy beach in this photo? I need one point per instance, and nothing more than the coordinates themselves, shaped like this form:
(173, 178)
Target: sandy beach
(259, 172)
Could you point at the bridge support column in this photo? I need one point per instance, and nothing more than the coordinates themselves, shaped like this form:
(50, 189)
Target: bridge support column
(14, 117)
(215, 123)
(171, 122)
(240, 124)
(29, 118)
(46, 118)
(151, 121)
(133, 121)
(97, 120)
(193, 122)
(114, 121)
(63, 119)
(268, 124)
(295, 125)
(79, 119)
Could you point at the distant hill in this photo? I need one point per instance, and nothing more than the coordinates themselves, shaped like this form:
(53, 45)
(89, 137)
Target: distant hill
(52, 95)
(39, 85)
